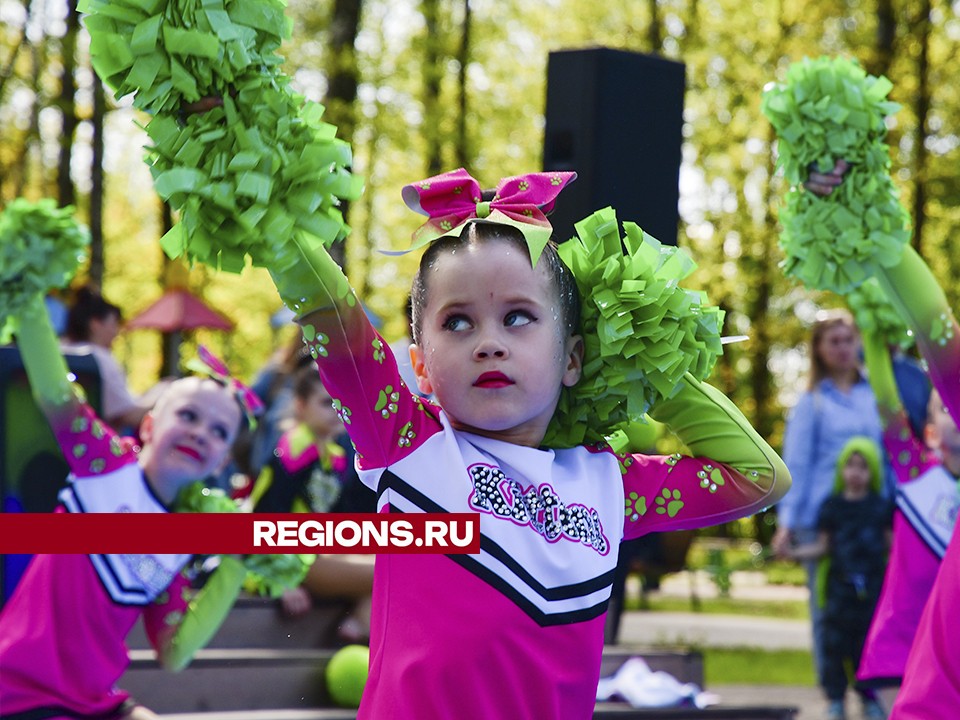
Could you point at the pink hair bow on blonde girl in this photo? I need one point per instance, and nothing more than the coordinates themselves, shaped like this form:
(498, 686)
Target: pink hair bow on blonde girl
(206, 363)
(453, 199)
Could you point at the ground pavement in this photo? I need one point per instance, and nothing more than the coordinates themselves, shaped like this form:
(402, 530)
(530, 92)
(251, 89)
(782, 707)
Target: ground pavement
(703, 630)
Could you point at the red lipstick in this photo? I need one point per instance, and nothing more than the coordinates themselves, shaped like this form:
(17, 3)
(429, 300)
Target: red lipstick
(493, 380)
(189, 452)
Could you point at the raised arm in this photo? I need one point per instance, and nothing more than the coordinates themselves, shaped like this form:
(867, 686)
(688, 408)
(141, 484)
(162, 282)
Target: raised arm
(920, 300)
(732, 473)
(44, 363)
(358, 369)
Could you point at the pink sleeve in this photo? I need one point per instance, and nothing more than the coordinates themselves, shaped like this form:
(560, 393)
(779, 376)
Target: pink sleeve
(384, 419)
(675, 492)
(88, 444)
(166, 612)
(909, 457)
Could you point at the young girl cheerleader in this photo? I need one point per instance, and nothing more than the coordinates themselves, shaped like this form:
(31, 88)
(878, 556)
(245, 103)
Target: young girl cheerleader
(62, 632)
(516, 631)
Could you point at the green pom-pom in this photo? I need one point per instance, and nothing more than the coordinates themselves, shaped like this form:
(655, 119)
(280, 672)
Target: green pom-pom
(267, 575)
(41, 247)
(249, 177)
(346, 675)
(198, 498)
(169, 53)
(642, 332)
(875, 314)
(827, 110)
(270, 575)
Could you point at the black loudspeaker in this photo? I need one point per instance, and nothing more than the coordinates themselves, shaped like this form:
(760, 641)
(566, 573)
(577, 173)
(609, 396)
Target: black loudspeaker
(616, 118)
(32, 468)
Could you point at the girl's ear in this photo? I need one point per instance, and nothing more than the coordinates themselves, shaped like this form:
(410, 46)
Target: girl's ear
(574, 360)
(146, 428)
(420, 370)
(931, 436)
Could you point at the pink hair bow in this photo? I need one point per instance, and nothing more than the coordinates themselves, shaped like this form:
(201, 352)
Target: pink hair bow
(453, 199)
(206, 363)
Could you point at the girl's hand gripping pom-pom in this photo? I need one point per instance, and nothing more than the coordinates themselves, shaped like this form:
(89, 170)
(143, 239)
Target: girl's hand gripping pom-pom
(828, 114)
(267, 575)
(249, 164)
(41, 247)
(642, 332)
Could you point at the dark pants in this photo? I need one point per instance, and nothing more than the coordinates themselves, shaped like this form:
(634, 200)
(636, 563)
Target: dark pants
(846, 620)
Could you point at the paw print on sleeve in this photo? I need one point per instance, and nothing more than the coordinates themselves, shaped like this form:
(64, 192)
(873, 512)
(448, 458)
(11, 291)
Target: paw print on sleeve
(315, 342)
(378, 353)
(711, 478)
(635, 506)
(672, 460)
(941, 329)
(343, 412)
(406, 435)
(387, 402)
(668, 502)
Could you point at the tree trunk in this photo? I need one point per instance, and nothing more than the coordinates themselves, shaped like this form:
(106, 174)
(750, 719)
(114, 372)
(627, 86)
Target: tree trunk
(432, 71)
(886, 36)
(654, 29)
(921, 106)
(343, 79)
(463, 57)
(96, 184)
(66, 193)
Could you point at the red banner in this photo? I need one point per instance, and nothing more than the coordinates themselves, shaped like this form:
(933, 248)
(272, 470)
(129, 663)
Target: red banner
(239, 533)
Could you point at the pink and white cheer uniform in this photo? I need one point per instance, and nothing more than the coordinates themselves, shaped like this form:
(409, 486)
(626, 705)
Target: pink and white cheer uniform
(62, 633)
(515, 632)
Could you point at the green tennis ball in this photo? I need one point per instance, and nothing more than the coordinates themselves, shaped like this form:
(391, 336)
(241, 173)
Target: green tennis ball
(346, 675)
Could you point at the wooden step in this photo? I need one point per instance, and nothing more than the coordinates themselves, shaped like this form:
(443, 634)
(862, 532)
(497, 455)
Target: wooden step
(233, 679)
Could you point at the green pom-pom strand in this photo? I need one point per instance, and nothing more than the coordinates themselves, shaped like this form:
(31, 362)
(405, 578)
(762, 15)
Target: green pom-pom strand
(875, 314)
(250, 177)
(41, 247)
(827, 110)
(267, 575)
(642, 332)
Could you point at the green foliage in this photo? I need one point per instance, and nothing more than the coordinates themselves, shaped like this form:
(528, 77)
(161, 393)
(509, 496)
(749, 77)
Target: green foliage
(785, 609)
